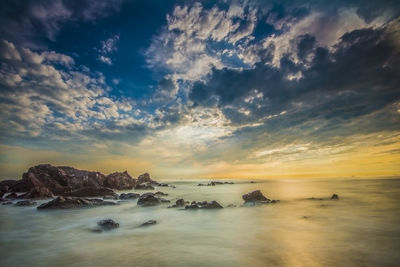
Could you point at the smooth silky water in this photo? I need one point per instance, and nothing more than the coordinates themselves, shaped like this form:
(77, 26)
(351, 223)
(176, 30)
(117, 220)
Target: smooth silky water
(362, 228)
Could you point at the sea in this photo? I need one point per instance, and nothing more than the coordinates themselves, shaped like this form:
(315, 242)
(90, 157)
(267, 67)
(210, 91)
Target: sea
(361, 228)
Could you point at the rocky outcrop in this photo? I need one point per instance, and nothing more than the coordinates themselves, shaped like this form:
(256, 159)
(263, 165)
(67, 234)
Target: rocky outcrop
(257, 197)
(148, 223)
(45, 180)
(151, 199)
(129, 196)
(108, 224)
(72, 202)
(204, 205)
(120, 181)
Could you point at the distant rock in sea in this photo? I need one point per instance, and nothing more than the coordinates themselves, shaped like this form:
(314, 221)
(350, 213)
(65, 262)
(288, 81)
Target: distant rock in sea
(257, 197)
(148, 223)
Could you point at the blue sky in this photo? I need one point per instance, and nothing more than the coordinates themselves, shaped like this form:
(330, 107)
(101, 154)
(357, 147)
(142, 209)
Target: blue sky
(201, 88)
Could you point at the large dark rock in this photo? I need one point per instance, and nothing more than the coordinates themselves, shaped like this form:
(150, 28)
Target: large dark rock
(144, 186)
(72, 202)
(204, 205)
(24, 203)
(120, 181)
(129, 196)
(90, 192)
(255, 196)
(150, 199)
(108, 224)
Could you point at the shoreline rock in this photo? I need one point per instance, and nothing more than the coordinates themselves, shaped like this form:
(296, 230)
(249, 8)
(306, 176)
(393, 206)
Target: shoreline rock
(151, 199)
(73, 202)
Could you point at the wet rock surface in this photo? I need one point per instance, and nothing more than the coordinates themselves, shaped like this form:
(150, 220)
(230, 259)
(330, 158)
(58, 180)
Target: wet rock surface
(129, 196)
(107, 224)
(204, 205)
(25, 203)
(151, 199)
(73, 202)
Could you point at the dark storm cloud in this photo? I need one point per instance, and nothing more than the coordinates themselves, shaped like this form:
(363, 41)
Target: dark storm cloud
(27, 21)
(359, 77)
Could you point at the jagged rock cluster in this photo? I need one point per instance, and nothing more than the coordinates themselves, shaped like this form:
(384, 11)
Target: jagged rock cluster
(43, 181)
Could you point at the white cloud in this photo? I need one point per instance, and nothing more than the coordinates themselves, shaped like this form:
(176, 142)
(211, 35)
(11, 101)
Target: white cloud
(108, 47)
(47, 90)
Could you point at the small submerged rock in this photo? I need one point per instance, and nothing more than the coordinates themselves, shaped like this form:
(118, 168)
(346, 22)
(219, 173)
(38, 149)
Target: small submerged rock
(257, 197)
(204, 205)
(334, 196)
(159, 193)
(231, 206)
(149, 222)
(72, 202)
(144, 186)
(25, 203)
(108, 224)
(7, 203)
(129, 196)
(179, 203)
(151, 199)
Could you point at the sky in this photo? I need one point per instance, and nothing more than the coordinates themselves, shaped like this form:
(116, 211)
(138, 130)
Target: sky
(201, 89)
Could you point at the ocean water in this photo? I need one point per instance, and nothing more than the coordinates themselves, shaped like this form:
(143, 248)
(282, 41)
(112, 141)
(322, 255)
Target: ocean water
(362, 228)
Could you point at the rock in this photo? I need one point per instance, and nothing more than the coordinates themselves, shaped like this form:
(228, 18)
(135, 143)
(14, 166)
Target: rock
(275, 201)
(201, 185)
(6, 185)
(149, 222)
(73, 202)
(12, 195)
(129, 196)
(25, 203)
(159, 193)
(162, 185)
(7, 203)
(113, 197)
(144, 186)
(144, 178)
(90, 192)
(108, 224)
(38, 192)
(252, 182)
(120, 181)
(180, 202)
(255, 196)
(150, 199)
(204, 205)
(334, 196)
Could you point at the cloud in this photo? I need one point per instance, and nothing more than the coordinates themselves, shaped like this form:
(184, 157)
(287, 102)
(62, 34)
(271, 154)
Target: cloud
(47, 94)
(28, 20)
(108, 47)
(185, 46)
